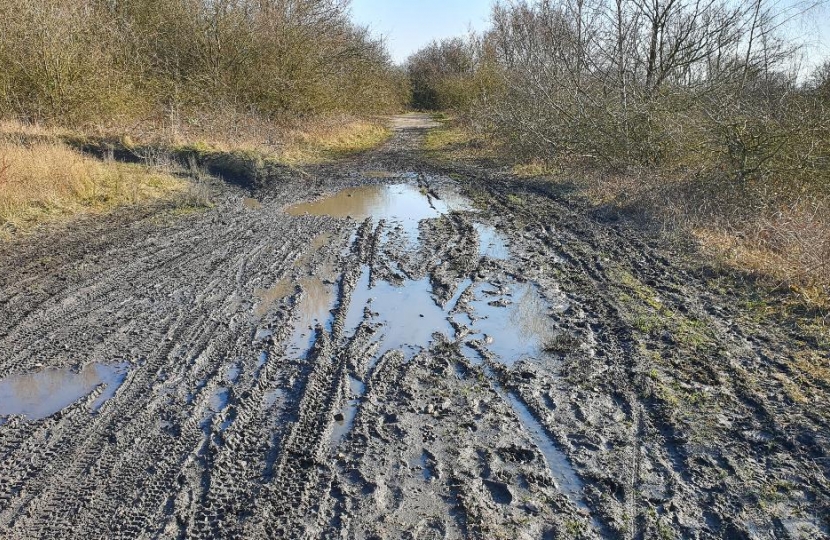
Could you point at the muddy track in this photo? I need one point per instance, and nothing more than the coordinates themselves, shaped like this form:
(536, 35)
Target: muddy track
(468, 356)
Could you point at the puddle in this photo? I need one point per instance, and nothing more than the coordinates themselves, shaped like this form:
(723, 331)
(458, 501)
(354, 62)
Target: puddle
(513, 321)
(251, 203)
(322, 239)
(408, 313)
(232, 373)
(42, 394)
(219, 399)
(268, 297)
(315, 308)
(491, 243)
(402, 204)
(566, 479)
(263, 334)
(343, 425)
(262, 359)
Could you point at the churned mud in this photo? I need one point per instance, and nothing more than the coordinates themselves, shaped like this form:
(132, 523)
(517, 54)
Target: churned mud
(384, 348)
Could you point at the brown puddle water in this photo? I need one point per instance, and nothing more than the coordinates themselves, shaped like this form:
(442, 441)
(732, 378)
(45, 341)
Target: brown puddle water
(251, 203)
(268, 297)
(403, 204)
(315, 308)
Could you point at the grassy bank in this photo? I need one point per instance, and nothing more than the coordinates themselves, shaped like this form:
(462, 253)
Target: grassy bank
(52, 174)
(785, 249)
(49, 181)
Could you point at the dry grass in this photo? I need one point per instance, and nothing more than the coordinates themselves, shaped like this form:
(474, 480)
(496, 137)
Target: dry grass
(330, 138)
(291, 141)
(788, 247)
(45, 181)
(455, 141)
(42, 178)
(789, 253)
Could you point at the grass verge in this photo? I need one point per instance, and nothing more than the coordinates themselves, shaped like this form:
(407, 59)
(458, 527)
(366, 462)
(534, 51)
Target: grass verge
(784, 246)
(48, 181)
(48, 174)
(453, 141)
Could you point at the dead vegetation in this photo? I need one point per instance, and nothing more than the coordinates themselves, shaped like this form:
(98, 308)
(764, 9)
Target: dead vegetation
(53, 173)
(223, 87)
(689, 116)
(44, 181)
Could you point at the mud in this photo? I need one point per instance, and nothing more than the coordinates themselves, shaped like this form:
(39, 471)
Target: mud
(389, 348)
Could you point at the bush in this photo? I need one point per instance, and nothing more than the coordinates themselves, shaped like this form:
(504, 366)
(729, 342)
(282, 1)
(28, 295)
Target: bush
(95, 61)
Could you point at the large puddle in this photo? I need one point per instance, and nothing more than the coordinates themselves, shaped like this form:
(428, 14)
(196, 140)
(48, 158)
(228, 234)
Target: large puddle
(509, 319)
(408, 313)
(513, 321)
(403, 204)
(43, 393)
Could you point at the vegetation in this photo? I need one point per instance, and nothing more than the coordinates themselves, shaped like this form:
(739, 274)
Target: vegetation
(97, 61)
(240, 81)
(47, 180)
(690, 113)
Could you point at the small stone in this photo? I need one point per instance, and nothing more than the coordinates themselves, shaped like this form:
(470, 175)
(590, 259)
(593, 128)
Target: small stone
(532, 508)
(339, 417)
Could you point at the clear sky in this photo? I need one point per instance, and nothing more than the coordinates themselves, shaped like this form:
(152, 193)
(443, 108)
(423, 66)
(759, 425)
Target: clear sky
(408, 25)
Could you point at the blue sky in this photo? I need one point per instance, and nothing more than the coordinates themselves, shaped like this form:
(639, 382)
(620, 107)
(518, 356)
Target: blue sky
(408, 25)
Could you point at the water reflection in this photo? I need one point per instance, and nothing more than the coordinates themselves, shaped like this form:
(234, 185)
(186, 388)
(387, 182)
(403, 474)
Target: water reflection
(42, 394)
(513, 320)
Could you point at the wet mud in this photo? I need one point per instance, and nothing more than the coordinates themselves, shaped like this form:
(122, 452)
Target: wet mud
(387, 348)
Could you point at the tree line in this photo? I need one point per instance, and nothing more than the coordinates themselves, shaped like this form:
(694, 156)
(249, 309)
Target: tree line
(82, 61)
(623, 82)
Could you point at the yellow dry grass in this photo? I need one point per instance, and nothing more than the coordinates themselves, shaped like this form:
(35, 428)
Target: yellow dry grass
(46, 181)
(296, 142)
(801, 267)
(454, 141)
(331, 138)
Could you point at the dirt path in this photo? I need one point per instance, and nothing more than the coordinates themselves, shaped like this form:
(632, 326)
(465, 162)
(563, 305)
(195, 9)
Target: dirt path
(465, 356)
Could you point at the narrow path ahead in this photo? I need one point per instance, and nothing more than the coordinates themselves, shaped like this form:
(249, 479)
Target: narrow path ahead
(418, 353)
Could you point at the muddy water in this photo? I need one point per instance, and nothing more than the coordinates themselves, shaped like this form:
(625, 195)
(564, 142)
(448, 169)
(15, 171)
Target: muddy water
(42, 394)
(344, 424)
(511, 319)
(267, 298)
(315, 308)
(251, 203)
(403, 204)
(491, 243)
(408, 313)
